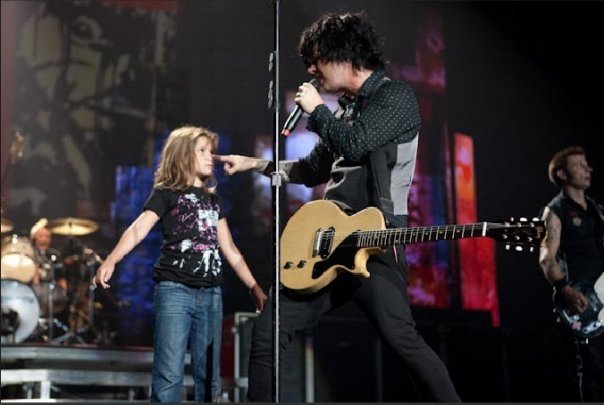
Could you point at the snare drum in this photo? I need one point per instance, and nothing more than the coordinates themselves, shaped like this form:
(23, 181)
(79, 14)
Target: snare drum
(18, 259)
(20, 311)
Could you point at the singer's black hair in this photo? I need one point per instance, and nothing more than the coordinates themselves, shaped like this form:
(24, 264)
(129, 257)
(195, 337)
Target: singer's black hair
(346, 37)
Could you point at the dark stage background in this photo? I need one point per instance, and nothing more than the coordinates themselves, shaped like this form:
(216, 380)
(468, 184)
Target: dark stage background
(94, 87)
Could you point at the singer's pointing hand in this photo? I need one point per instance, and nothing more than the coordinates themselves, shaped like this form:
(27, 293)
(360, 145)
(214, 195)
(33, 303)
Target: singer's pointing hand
(308, 97)
(235, 163)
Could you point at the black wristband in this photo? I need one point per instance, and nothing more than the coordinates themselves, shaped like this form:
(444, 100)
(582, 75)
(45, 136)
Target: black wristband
(560, 284)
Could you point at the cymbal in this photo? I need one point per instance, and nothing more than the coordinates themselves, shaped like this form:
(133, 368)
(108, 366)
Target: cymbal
(72, 226)
(7, 225)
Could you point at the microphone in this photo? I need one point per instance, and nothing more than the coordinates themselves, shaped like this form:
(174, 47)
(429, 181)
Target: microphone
(296, 114)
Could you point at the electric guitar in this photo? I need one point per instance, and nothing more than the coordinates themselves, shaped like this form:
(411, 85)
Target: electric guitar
(589, 323)
(320, 241)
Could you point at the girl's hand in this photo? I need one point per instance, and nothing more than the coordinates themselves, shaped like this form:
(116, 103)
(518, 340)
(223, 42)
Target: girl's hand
(103, 274)
(258, 296)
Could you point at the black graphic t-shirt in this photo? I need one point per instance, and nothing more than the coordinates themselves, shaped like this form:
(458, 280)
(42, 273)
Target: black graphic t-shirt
(189, 253)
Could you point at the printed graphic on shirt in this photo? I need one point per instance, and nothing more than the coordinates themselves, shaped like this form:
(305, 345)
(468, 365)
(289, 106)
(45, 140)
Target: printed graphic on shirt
(196, 220)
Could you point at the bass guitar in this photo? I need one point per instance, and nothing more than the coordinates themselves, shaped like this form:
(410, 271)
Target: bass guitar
(320, 241)
(589, 323)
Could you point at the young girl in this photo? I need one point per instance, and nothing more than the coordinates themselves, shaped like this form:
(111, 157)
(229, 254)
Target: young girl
(187, 275)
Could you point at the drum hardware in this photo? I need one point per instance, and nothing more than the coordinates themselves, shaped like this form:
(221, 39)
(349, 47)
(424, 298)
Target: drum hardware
(26, 309)
(52, 298)
(51, 295)
(81, 320)
(50, 291)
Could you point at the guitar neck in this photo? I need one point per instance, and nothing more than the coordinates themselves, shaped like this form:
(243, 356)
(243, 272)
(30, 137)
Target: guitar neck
(398, 236)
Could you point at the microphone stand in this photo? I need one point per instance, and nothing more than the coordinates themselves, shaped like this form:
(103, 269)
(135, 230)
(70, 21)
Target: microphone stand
(51, 292)
(276, 181)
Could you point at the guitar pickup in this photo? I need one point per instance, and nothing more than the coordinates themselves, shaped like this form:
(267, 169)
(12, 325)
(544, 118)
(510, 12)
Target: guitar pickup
(317, 242)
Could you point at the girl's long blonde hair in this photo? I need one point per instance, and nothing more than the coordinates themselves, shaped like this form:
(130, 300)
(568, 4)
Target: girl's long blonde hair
(176, 169)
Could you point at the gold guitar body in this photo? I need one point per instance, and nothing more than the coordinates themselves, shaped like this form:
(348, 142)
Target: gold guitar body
(304, 269)
(320, 241)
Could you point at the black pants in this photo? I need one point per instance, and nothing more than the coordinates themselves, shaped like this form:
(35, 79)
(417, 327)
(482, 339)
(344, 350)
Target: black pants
(588, 369)
(383, 298)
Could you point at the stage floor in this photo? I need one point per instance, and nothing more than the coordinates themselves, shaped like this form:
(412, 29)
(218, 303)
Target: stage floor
(38, 371)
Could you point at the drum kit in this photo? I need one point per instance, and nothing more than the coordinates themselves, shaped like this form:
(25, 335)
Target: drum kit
(32, 300)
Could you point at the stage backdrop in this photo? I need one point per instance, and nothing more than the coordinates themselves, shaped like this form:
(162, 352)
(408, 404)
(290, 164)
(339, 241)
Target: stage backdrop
(97, 86)
(94, 87)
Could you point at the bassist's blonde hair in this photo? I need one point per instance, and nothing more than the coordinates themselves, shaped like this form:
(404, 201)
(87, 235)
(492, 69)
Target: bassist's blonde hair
(558, 162)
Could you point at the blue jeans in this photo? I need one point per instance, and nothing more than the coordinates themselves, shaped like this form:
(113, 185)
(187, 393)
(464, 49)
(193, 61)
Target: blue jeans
(186, 315)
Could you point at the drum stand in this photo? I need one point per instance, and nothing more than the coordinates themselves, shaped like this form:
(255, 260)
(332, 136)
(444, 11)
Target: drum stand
(74, 332)
(51, 321)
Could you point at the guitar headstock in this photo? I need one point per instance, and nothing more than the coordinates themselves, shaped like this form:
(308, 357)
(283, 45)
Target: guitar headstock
(517, 233)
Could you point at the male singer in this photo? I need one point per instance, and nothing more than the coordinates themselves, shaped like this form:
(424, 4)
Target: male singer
(372, 139)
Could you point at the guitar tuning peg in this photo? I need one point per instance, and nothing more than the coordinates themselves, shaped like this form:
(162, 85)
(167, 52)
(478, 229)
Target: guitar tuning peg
(518, 248)
(532, 249)
(507, 246)
(523, 219)
(535, 219)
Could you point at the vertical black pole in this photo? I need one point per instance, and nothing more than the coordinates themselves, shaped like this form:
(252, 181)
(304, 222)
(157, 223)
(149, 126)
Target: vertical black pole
(276, 183)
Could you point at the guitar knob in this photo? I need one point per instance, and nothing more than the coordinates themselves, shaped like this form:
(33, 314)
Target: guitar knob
(302, 264)
(288, 265)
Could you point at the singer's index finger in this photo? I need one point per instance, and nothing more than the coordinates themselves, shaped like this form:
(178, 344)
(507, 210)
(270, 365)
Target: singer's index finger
(218, 158)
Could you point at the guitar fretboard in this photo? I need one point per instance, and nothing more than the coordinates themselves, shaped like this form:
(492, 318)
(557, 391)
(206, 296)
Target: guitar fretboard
(397, 236)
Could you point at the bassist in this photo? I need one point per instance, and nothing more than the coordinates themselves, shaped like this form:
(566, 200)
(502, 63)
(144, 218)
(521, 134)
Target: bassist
(572, 255)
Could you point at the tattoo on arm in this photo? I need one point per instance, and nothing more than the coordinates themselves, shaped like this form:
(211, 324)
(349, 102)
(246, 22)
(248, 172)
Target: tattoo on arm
(550, 246)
